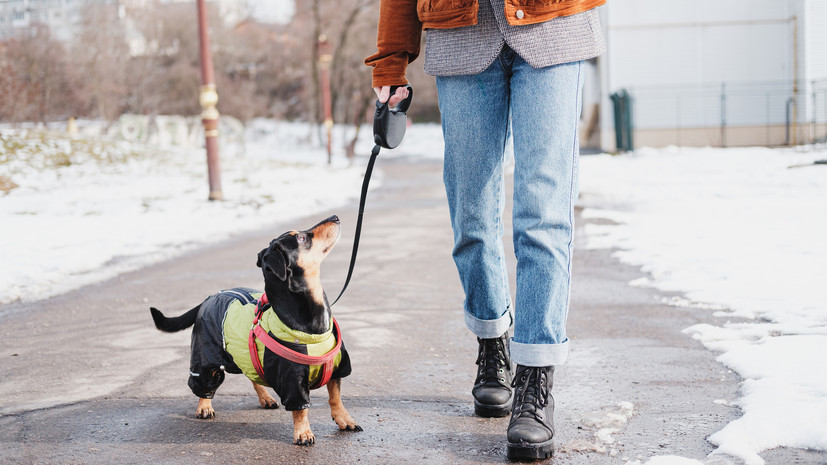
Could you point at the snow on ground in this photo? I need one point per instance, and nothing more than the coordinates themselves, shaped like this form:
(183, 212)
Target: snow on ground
(741, 230)
(78, 210)
(86, 210)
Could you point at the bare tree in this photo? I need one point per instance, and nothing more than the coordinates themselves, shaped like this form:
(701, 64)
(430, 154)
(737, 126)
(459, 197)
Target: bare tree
(315, 110)
(18, 98)
(101, 51)
(143, 58)
(344, 58)
(40, 63)
(165, 78)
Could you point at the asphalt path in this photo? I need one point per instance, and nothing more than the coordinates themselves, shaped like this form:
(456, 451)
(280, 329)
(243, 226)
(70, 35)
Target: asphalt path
(87, 379)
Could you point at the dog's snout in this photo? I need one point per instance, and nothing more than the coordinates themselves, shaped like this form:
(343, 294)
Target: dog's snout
(334, 219)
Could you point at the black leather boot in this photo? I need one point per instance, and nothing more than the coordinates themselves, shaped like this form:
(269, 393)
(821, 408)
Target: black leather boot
(531, 430)
(492, 388)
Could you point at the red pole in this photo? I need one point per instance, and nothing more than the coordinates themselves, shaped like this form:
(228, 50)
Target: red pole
(209, 99)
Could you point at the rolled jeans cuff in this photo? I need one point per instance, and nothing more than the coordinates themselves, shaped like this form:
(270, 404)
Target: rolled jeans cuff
(489, 329)
(539, 355)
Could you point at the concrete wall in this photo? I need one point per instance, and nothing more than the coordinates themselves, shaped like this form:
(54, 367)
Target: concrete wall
(736, 136)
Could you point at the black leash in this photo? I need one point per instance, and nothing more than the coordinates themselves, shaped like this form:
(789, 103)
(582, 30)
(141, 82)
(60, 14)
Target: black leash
(389, 125)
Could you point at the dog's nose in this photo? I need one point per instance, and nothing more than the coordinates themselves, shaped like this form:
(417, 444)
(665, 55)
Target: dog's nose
(333, 219)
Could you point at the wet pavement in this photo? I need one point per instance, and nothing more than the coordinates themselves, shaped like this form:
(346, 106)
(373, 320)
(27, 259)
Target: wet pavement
(87, 379)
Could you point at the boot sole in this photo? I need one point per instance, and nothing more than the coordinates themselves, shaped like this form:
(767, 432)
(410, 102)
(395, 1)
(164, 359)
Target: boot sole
(492, 411)
(523, 451)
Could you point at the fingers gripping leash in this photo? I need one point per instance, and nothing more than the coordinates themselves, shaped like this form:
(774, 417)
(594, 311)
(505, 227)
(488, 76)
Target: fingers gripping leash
(389, 125)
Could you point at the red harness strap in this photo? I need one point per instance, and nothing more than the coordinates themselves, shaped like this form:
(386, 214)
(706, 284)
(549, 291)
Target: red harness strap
(326, 360)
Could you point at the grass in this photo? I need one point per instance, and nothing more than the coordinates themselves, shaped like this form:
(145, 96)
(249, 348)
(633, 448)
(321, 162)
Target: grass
(6, 184)
(25, 150)
(54, 149)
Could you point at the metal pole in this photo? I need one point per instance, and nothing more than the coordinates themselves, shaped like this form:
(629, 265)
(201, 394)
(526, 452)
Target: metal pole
(678, 120)
(723, 114)
(795, 81)
(790, 105)
(325, 57)
(767, 102)
(815, 105)
(629, 123)
(209, 99)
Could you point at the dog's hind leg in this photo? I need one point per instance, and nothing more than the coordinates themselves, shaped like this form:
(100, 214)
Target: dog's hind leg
(337, 409)
(204, 385)
(204, 409)
(264, 398)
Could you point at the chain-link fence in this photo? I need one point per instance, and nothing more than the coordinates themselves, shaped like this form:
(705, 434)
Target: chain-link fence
(731, 114)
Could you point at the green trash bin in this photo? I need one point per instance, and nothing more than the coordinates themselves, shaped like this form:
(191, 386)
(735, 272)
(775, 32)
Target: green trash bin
(622, 103)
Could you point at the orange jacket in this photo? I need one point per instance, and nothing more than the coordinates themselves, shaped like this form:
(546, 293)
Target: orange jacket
(401, 23)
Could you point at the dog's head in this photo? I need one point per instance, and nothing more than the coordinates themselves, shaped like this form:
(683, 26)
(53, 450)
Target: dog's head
(294, 259)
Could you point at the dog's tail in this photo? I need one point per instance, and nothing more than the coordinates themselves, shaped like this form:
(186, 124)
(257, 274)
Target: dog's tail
(171, 325)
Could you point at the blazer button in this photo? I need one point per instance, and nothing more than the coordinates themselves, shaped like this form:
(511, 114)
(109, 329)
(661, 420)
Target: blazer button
(520, 14)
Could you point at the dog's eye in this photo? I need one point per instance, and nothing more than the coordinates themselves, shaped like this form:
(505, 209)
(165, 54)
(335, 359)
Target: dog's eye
(301, 237)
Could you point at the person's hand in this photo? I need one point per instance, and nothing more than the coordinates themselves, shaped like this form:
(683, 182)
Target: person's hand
(384, 92)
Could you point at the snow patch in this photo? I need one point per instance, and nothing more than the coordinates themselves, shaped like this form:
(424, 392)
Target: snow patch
(739, 233)
(605, 422)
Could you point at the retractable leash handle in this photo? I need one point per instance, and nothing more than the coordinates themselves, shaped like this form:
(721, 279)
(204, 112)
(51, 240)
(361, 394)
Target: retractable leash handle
(389, 125)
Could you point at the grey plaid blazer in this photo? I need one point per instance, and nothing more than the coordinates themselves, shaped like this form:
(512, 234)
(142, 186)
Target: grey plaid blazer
(471, 49)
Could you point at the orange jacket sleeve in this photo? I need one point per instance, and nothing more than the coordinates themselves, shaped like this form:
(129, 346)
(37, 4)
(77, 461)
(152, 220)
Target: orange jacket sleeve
(397, 42)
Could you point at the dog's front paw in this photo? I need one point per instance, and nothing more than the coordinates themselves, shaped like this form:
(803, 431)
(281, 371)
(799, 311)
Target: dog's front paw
(204, 409)
(302, 435)
(304, 438)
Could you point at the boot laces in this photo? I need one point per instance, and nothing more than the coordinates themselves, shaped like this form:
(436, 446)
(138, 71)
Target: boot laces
(532, 390)
(492, 362)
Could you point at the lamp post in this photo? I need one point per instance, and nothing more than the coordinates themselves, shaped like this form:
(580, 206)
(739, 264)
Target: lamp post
(208, 99)
(325, 57)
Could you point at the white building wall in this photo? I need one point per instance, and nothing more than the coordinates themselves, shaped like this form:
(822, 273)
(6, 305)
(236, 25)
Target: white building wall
(815, 39)
(61, 16)
(698, 63)
(699, 42)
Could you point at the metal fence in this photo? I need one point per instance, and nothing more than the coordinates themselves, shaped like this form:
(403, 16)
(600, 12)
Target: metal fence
(731, 114)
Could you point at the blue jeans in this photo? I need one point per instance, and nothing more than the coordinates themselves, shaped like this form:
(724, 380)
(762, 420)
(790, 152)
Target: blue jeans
(543, 108)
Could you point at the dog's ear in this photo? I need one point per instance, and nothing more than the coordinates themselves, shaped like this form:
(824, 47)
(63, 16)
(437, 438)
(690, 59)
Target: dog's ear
(272, 260)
